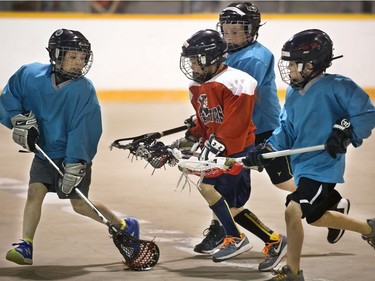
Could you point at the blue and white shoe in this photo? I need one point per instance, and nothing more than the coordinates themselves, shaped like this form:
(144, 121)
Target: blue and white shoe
(132, 227)
(22, 254)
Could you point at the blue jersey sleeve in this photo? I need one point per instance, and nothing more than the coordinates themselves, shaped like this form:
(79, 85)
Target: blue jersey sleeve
(11, 98)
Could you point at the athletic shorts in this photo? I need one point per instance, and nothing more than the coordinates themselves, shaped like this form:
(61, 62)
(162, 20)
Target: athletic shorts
(279, 169)
(235, 189)
(42, 171)
(314, 197)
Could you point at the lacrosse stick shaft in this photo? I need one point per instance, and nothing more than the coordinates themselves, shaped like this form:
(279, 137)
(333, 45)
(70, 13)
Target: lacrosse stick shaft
(157, 135)
(80, 194)
(143, 255)
(174, 130)
(288, 152)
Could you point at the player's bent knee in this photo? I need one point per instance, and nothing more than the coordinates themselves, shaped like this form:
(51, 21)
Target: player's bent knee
(36, 191)
(293, 211)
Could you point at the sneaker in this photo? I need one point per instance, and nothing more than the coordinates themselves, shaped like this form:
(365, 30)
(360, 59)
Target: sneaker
(285, 274)
(370, 238)
(335, 235)
(274, 253)
(232, 246)
(132, 227)
(22, 254)
(215, 235)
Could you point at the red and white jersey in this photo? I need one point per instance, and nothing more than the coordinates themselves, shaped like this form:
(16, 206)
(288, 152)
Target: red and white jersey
(224, 107)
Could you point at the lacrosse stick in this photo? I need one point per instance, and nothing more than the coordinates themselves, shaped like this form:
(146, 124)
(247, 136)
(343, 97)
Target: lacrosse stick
(233, 166)
(147, 138)
(148, 147)
(140, 255)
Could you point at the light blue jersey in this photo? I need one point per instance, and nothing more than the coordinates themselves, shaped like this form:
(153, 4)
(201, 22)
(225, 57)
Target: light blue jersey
(258, 61)
(307, 119)
(69, 116)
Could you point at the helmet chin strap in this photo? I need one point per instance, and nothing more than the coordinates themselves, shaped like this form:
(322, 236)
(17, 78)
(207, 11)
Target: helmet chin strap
(218, 64)
(306, 78)
(209, 75)
(59, 78)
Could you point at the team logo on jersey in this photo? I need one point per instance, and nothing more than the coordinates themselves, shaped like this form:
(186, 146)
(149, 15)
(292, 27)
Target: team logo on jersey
(208, 115)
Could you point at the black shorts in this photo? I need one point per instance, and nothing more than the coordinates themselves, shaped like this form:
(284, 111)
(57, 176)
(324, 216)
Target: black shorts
(279, 169)
(41, 171)
(314, 197)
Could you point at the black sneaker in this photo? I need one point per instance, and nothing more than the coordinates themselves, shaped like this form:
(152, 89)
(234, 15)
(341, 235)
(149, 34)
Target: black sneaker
(215, 235)
(335, 235)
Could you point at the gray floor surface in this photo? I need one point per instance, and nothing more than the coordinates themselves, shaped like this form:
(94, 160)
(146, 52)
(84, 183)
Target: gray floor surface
(70, 247)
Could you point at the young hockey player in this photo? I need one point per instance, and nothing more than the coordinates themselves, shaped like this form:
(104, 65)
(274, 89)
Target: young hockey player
(55, 106)
(223, 99)
(319, 108)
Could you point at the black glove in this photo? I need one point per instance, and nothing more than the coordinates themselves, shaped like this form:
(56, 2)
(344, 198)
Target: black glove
(191, 121)
(25, 130)
(254, 158)
(340, 138)
(212, 148)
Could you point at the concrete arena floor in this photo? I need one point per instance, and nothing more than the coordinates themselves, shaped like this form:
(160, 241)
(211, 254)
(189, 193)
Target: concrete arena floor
(71, 247)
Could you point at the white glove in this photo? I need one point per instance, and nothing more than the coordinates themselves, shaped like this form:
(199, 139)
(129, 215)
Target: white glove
(183, 144)
(73, 175)
(212, 148)
(25, 130)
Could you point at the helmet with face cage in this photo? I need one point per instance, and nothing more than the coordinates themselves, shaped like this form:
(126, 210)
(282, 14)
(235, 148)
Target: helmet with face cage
(207, 48)
(64, 40)
(309, 46)
(245, 13)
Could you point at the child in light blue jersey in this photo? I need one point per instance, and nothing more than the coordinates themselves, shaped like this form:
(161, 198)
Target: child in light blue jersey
(239, 24)
(319, 108)
(55, 106)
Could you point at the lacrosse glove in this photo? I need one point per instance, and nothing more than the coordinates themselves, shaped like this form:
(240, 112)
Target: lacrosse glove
(185, 143)
(212, 148)
(25, 130)
(340, 138)
(191, 121)
(254, 158)
(73, 175)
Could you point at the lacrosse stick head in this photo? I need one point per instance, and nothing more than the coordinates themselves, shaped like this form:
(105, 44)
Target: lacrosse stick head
(209, 169)
(156, 153)
(139, 255)
(159, 155)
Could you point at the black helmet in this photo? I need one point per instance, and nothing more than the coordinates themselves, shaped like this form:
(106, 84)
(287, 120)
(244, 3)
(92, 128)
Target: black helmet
(63, 40)
(312, 45)
(309, 46)
(245, 13)
(208, 48)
